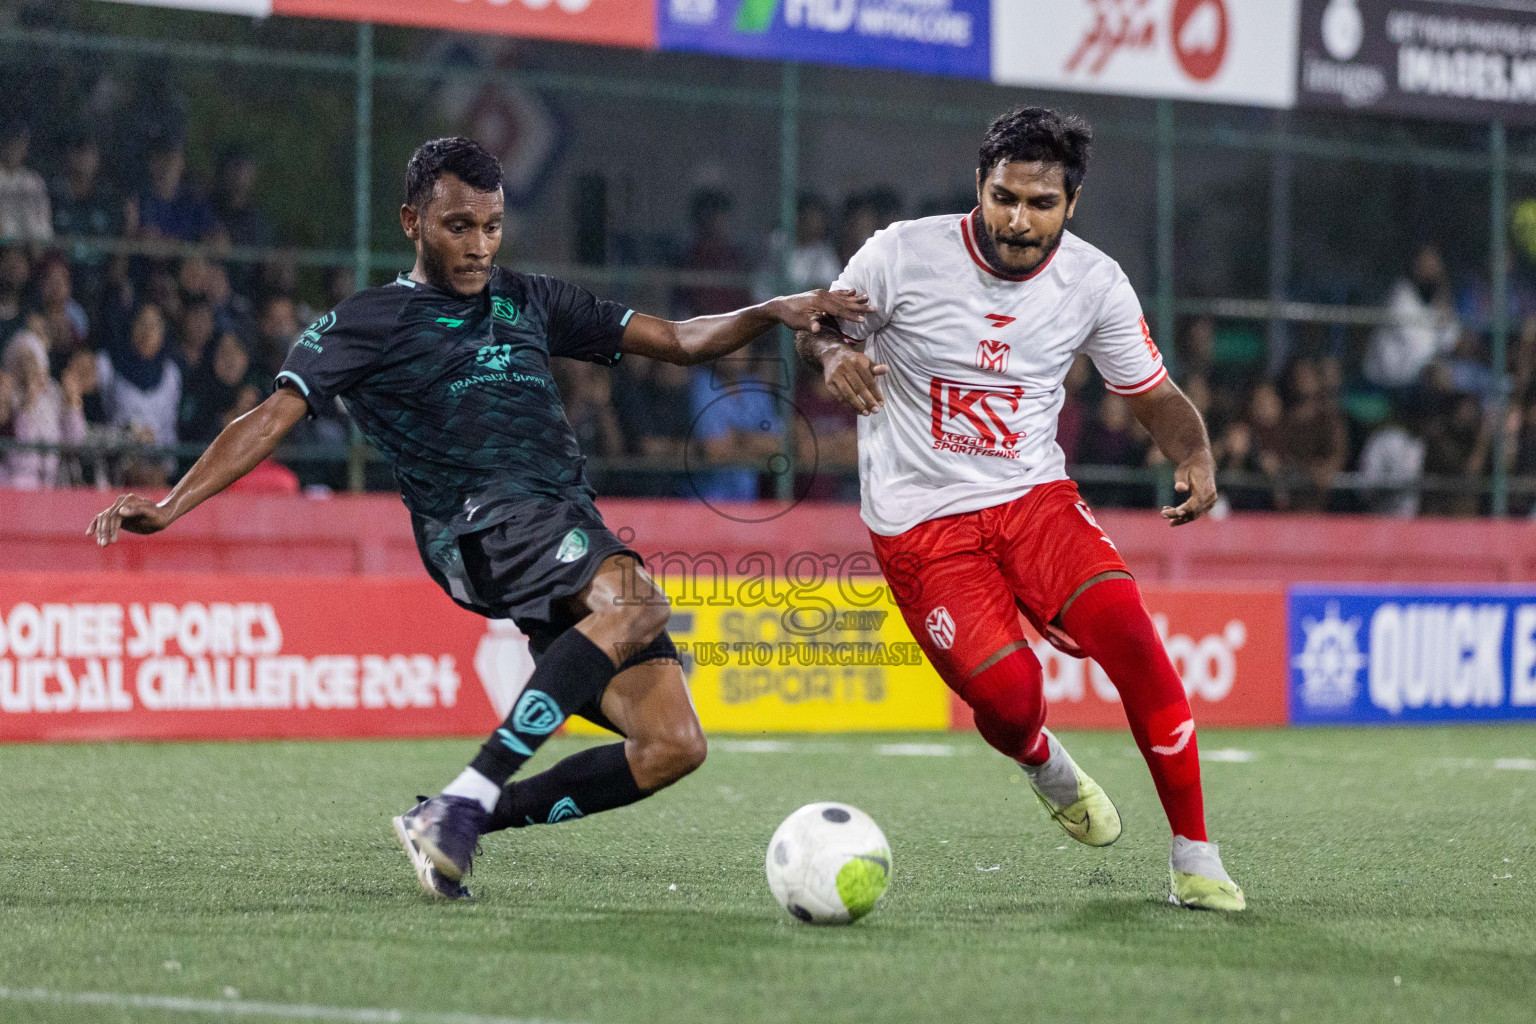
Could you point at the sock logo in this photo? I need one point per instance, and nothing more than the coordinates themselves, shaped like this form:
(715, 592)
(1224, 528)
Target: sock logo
(941, 627)
(564, 810)
(1181, 736)
(536, 713)
(512, 743)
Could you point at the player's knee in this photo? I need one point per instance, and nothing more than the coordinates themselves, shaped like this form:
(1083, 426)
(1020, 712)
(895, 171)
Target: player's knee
(1009, 692)
(667, 755)
(640, 617)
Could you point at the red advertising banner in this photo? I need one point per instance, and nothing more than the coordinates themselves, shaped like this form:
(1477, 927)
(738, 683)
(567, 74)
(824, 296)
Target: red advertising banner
(1229, 646)
(160, 656)
(609, 22)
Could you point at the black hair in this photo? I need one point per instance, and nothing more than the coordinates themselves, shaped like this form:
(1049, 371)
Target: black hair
(1037, 134)
(463, 158)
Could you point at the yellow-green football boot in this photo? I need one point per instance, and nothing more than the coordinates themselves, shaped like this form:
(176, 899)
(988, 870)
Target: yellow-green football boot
(1071, 798)
(1198, 880)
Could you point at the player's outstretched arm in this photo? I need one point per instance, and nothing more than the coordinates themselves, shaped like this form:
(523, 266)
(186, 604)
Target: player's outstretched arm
(1179, 431)
(235, 452)
(705, 337)
(851, 375)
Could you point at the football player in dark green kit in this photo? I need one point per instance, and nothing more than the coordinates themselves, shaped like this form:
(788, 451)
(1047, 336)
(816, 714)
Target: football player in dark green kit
(446, 372)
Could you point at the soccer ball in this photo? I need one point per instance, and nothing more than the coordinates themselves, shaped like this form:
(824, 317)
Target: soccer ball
(828, 863)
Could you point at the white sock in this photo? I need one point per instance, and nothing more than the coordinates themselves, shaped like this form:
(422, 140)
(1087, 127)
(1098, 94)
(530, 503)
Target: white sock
(1197, 858)
(475, 786)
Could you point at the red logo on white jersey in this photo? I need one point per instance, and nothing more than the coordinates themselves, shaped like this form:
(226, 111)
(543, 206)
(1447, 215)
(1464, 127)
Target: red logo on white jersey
(975, 420)
(992, 355)
(999, 321)
(1146, 336)
(941, 627)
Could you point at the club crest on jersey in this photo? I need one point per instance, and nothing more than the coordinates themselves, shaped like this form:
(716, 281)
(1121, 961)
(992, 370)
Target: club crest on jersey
(992, 355)
(941, 628)
(976, 419)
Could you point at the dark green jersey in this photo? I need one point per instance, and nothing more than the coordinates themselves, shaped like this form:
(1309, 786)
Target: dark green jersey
(456, 392)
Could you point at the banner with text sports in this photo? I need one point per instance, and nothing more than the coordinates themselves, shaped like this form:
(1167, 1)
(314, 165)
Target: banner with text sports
(1387, 655)
(1424, 58)
(946, 37)
(1225, 51)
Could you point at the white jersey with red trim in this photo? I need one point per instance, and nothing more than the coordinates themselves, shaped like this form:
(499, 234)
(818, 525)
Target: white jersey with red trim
(977, 363)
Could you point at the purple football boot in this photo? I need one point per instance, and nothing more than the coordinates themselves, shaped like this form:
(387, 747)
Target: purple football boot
(440, 836)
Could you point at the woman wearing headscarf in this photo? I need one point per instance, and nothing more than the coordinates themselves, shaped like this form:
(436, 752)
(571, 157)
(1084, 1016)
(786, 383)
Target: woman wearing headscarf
(141, 388)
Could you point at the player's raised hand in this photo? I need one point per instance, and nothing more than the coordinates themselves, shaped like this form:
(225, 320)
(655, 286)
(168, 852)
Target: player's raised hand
(1196, 476)
(807, 311)
(131, 513)
(855, 379)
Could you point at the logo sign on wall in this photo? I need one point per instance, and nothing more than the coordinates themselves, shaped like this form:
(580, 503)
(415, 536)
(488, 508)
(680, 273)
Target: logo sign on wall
(1228, 51)
(949, 37)
(1419, 58)
(613, 22)
(1405, 655)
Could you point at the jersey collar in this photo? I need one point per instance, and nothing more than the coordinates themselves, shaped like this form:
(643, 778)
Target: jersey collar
(968, 234)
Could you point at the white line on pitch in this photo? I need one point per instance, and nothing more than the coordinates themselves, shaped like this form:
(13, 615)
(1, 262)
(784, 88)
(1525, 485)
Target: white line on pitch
(1515, 764)
(246, 1008)
(916, 749)
(1228, 754)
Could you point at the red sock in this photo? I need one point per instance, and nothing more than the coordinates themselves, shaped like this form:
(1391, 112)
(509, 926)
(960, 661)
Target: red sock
(1113, 628)
(1009, 701)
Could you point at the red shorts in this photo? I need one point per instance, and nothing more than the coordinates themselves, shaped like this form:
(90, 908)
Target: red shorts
(961, 581)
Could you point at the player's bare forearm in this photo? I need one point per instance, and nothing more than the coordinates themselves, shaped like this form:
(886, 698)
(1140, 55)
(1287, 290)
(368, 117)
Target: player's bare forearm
(238, 449)
(850, 374)
(703, 338)
(1179, 432)
(817, 347)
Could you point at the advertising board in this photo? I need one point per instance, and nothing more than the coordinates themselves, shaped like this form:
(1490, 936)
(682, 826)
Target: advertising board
(1383, 655)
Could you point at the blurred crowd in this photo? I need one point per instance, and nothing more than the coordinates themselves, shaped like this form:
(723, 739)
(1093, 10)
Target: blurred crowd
(130, 360)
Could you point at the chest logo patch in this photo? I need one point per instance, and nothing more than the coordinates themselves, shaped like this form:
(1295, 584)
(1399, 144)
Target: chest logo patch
(992, 355)
(494, 357)
(503, 310)
(976, 420)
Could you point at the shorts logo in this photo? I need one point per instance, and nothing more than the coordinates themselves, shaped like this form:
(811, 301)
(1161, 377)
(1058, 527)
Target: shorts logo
(536, 713)
(494, 357)
(992, 355)
(974, 420)
(941, 627)
(572, 547)
(564, 810)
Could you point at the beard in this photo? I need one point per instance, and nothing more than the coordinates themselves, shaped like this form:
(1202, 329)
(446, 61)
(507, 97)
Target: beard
(435, 265)
(989, 249)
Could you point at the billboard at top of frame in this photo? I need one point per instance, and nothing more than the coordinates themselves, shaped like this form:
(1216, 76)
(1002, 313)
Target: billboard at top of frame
(1406, 655)
(946, 37)
(1225, 51)
(1419, 58)
(609, 22)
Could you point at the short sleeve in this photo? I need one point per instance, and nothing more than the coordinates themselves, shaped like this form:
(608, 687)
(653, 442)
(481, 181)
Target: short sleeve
(1121, 345)
(579, 324)
(333, 354)
(871, 271)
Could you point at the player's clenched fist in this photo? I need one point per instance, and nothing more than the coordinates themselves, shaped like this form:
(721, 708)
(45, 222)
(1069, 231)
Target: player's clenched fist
(131, 513)
(855, 379)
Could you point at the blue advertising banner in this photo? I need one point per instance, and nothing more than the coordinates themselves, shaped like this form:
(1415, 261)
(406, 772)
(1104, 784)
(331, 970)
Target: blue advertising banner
(1383, 655)
(944, 37)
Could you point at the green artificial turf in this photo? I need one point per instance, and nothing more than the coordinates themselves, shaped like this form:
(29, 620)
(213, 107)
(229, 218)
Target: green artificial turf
(1389, 877)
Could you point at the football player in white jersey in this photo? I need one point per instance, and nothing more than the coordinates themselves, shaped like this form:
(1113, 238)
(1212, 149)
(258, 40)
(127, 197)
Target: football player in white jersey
(958, 377)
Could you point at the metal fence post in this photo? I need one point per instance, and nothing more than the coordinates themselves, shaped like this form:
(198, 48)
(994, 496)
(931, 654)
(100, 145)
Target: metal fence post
(1280, 173)
(1498, 151)
(1164, 243)
(362, 215)
(789, 187)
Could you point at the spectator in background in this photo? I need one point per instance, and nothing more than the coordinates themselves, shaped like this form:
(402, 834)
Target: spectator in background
(7, 419)
(810, 263)
(1069, 422)
(234, 201)
(826, 443)
(1393, 461)
(864, 213)
(141, 391)
(1457, 437)
(86, 206)
(712, 249)
(24, 212)
(171, 206)
(737, 421)
(15, 271)
(1468, 366)
(1422, 324)
(1197, 355)
(652, 401)
(195, 335)
(68, 328)
(1110, 438)
(1316, 435)
(277, 328)
(44, 414)
(221, 382)
(588, 399)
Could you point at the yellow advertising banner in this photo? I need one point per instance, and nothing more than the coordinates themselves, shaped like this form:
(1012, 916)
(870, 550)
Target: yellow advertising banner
(768, 654)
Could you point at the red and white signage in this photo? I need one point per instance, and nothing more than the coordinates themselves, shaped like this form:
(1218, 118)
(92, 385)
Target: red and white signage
(161, 656)
(1228, 51)
(611, 22)
(1227, 645)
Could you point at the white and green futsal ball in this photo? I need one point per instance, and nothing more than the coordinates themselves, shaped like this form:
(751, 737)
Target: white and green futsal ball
(828, 863)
